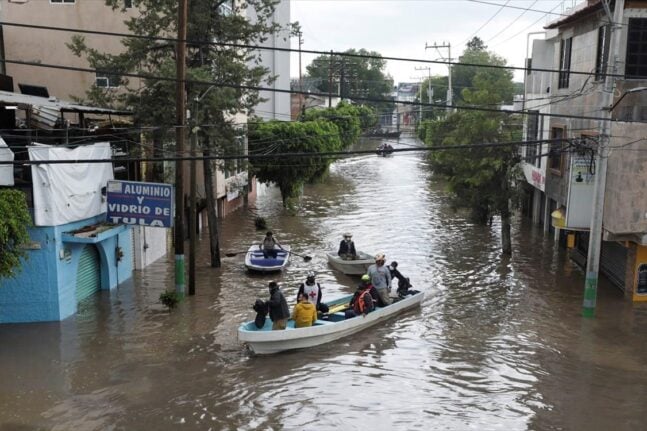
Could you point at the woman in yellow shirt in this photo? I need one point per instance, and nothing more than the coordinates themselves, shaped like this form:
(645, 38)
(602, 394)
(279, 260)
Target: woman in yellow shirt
(304, 313)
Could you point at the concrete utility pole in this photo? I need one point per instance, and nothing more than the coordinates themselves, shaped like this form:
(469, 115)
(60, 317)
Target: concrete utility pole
(180, 116)
(429, 89)
(300, 35)
(330, 80)
(450, 91)
(597, 211)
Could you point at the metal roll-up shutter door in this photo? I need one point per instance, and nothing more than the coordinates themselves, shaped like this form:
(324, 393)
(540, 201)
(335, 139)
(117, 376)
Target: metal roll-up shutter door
(613, 262)
(88, 273)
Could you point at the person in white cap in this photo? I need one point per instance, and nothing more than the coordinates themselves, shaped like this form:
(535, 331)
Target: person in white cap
(381, 279)
(311, 290)
(347, 247)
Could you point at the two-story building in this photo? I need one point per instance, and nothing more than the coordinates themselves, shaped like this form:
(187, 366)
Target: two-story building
(584, 106)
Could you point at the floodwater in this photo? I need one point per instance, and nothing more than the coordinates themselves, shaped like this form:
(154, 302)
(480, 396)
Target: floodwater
(497, 344)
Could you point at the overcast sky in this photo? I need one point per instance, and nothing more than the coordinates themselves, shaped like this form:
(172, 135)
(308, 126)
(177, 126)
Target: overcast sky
(401, 28)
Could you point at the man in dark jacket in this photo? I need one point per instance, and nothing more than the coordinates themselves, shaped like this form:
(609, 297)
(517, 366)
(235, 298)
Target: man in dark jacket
(347, 247)
(278, 307)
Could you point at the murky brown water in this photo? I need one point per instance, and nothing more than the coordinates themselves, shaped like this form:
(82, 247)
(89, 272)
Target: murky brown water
(497, 344)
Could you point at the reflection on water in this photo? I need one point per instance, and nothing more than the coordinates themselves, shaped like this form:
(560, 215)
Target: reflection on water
(497, 344)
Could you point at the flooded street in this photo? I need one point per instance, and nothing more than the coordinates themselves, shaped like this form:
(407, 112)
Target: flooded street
(497, 344)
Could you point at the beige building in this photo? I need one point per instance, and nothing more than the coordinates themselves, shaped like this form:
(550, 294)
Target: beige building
(49, 46)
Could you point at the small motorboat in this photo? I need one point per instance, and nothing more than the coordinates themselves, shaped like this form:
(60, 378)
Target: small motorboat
(332, 326)
(255, 260)
(356, 266)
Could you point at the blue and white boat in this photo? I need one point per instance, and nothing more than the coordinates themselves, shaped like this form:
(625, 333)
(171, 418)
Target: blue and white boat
(330, 327)
(256, 261)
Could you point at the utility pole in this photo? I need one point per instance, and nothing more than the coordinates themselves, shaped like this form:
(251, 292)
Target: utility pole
(597, 211)
(180, 116)
(330, 81)
(192, 200)
(429, 89)
(300, 35)
(450, 92)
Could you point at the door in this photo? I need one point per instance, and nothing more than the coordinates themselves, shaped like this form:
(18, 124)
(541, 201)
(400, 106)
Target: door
(88, 273)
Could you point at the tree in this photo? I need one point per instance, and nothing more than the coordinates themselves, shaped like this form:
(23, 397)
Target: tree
(481, 179)
(13, 230)
(289, 173)
(345, 116)
(353, 76)
(463, 75)
(236, 69)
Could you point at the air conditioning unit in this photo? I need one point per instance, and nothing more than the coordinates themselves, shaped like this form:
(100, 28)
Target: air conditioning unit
(102, 81)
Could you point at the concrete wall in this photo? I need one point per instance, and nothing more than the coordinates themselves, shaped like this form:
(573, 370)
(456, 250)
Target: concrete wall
(277, 105)
(625, 206)
(45, 289)
(150, 244)
(48, 47)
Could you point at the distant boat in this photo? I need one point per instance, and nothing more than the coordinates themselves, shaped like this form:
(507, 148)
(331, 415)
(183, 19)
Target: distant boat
(330, 327)
(256, 261)
(351, 267)
(382, 133)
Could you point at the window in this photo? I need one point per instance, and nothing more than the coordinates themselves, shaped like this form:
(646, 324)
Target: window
(556, 155)
(636, 65)
(62, 1)
(602, 57)
(128, 4)
(106, 81)
(532, 132)
(226, 8)
(564, 62)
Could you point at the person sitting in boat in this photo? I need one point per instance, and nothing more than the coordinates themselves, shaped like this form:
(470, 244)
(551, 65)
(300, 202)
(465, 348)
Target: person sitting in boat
(277, 307)
(312, 292)
(269, 245)
(363, 301)
(403, 282)
(347, 247)
(304, 313)
(381, 279)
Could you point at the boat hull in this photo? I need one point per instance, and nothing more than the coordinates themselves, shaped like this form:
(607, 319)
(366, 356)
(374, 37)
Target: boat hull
(264, 341)
(351, 267)
(255, 261)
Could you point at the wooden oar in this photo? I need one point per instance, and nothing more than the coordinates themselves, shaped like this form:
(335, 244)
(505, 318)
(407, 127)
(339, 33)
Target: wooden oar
(232, 254)
(306, 258)
(337, 308)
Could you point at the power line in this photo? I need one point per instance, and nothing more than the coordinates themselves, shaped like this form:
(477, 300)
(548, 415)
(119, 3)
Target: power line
(520, 7)
(281, 155)
(279, 90)
(513, 21)
(486, 23)
(304, 51)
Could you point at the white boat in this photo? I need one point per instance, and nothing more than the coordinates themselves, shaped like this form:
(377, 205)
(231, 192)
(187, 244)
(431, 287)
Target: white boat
(351, 267)
(330, 328)
(256, 261)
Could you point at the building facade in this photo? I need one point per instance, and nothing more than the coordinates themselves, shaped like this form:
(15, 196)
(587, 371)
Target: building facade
(584, 108)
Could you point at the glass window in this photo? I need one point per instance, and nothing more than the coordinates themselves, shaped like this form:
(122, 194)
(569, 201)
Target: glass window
(603, 53)
(636, 64)
(532, 133)
(106, 81)
(556, 155)
(564, 62)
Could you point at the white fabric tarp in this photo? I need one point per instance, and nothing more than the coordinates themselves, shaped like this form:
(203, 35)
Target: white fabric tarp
(6, 171)
(69, 192)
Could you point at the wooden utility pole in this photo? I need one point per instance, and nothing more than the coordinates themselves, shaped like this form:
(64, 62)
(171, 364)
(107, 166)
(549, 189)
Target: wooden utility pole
(180, 133)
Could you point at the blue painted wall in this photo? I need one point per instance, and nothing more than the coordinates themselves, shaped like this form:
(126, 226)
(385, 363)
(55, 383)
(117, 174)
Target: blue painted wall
(45, 288)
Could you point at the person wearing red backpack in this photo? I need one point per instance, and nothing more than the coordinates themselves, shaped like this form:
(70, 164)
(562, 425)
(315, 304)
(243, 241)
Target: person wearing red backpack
(362, 301)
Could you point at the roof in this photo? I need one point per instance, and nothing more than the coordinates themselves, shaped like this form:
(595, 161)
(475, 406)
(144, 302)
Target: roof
(46, 112)
(582, 10)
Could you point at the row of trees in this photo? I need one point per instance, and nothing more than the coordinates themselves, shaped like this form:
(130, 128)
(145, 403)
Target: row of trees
(320, 131)
(482, 179)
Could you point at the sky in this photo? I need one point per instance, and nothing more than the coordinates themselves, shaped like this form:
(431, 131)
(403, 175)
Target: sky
(402, 28)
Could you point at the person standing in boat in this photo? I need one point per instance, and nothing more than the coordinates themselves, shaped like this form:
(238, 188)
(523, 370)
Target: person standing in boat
(278, 307)
(312, 292)
(347, 247)
(304, 313)
(269, 245)
(381, 279)
(403, 282)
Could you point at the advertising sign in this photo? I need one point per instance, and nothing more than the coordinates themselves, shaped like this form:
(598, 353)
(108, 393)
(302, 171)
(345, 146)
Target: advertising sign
(580, 192)
(142, 204)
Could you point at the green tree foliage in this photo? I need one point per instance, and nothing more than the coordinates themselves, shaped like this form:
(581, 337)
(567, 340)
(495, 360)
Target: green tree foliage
(13, 230)
(353, 76)
(464, 75)
(233, 67)
(345, 116)
(367, 117)
(290, 173)
(481, 179)
(439, 85)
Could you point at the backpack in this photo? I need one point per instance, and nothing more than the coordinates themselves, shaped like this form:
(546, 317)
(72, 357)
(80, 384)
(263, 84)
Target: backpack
(364, 303)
